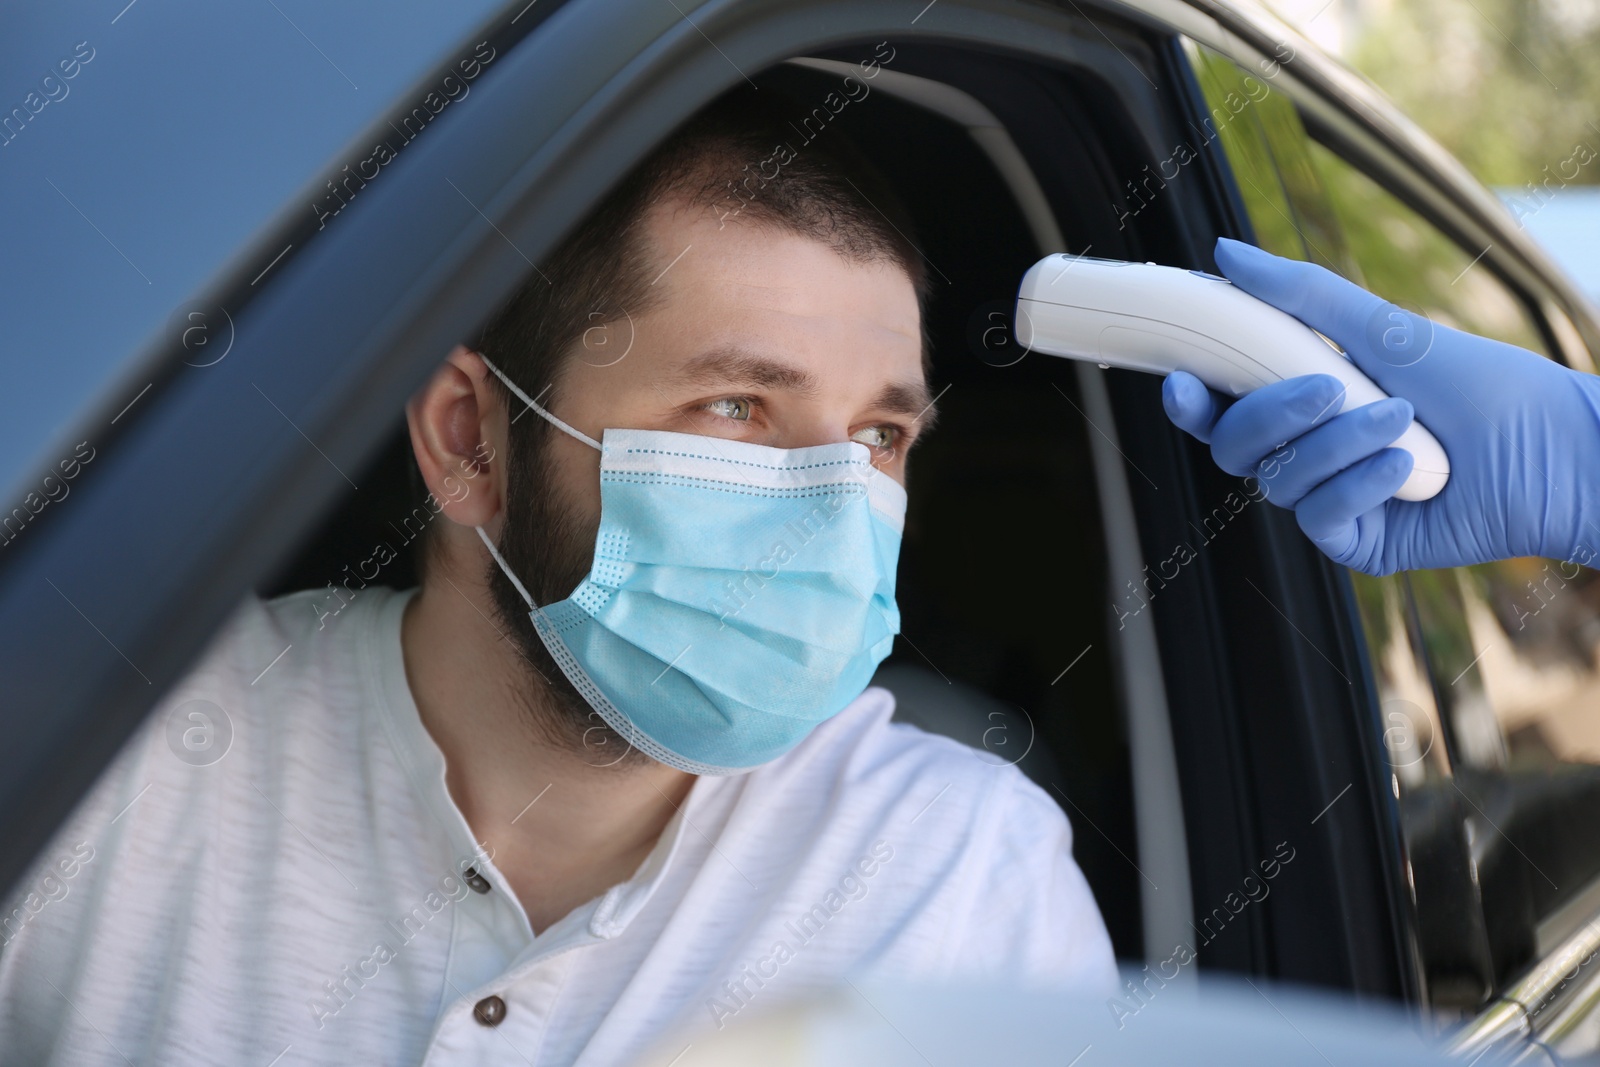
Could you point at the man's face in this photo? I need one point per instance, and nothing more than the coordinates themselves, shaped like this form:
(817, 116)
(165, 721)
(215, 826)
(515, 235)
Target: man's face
(758, 335)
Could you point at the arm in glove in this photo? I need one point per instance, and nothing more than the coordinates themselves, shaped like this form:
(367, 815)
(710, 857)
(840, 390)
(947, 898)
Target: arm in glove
(1522, 433)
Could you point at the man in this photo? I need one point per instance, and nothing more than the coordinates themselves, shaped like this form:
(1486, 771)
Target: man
(610, 770)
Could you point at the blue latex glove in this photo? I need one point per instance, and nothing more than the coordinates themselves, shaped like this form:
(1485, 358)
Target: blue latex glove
(1522, 433)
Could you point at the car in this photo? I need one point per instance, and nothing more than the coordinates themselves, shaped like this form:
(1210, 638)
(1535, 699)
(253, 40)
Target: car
(1275, 768)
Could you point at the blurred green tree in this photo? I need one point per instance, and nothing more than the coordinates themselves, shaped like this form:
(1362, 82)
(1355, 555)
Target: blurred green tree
(1510, 87)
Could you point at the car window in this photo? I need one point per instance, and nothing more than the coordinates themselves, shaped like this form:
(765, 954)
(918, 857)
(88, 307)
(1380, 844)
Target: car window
(1510, 646)
(1486, 678)
(1230, 93)
(1264, 143)
(1403, 257)
(1051, 668)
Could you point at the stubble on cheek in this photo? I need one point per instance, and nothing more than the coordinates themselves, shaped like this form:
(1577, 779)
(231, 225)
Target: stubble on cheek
(548, 542)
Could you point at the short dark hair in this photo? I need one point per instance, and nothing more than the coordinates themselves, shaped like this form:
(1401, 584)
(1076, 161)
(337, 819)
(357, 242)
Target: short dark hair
(740, 156)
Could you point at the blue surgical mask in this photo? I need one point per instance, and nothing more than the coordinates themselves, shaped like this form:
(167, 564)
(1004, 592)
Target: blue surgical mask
(739, 594)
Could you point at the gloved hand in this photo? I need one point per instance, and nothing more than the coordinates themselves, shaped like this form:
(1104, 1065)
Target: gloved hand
(1522, 433)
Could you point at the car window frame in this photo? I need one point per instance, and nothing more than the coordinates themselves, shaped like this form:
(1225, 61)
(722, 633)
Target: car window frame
(592, 88)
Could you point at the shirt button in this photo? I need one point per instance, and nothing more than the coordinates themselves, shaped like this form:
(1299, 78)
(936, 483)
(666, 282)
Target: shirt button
(490, 1011)
(478, 882)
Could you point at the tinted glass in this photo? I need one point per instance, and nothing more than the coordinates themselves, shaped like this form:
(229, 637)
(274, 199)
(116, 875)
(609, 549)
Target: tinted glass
(1485, 678)
(1403, 257)
(1508, 649)
(1265, 144)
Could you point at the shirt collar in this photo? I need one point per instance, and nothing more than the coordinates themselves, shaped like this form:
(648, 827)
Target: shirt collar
(385, 676)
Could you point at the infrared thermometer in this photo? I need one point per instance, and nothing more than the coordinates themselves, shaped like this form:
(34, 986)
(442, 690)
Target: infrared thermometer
(1142, 316)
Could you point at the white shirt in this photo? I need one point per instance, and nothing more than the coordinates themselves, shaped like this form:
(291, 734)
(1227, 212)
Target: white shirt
(296, 890)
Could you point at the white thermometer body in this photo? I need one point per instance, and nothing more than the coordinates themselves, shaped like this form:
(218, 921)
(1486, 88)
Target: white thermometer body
(1142, 316)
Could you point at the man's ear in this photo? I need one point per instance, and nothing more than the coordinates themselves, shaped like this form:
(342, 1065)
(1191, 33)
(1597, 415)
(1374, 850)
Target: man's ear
(458, 434)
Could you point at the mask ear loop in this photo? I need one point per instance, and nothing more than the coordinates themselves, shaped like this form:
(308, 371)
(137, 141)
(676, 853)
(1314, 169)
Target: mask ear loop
(580, 435)
(534, 404)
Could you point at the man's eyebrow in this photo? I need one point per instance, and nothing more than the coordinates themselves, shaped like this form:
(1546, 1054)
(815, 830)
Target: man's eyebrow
(732, 365)
(910, 399)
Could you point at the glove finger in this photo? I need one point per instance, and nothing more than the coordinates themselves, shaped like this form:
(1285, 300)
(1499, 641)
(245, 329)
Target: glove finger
(1260, 422)
(1190, 405)
(1329, 513)
(1288, 475)
(1314, 295)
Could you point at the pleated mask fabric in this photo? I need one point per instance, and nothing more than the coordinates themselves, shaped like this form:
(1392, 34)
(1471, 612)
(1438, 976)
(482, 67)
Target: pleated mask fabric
(739, 594)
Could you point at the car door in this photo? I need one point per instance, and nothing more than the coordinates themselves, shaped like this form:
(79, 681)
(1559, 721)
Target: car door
(222, 428)
(226, 420)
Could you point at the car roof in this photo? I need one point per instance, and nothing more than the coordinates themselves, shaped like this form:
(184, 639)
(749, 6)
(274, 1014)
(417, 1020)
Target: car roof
(185, 136)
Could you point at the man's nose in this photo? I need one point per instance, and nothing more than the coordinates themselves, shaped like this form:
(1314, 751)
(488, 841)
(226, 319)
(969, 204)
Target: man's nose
(817, 428)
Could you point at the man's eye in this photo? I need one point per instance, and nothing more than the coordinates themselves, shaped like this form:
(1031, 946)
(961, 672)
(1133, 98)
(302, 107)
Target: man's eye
(875, 436)
(732, 407)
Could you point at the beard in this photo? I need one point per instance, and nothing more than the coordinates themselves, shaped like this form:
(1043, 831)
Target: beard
(549, 547)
